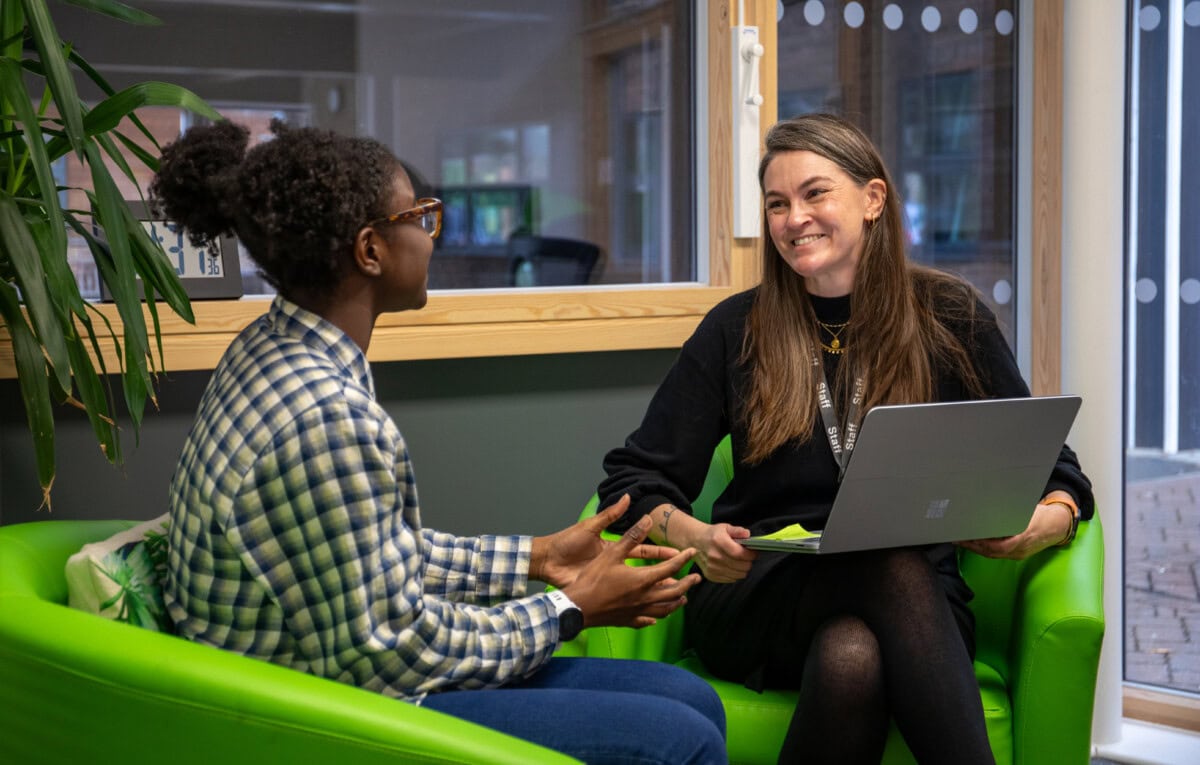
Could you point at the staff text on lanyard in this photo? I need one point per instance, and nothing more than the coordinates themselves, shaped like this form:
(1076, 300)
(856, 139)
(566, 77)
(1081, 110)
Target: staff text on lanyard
(833, 431)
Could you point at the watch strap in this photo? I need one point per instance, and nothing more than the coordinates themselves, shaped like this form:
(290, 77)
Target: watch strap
(570, 618)
(561, 601)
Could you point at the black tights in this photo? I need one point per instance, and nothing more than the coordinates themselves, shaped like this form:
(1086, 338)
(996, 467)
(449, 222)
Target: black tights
(882, 642)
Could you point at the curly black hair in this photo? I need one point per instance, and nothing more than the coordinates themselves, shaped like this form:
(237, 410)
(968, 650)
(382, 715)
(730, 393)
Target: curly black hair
(296, 201)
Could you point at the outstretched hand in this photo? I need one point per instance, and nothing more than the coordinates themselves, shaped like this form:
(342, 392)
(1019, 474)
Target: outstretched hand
(611, 593)
(560, 557)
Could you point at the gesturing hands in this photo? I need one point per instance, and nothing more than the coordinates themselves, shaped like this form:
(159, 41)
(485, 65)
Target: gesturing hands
(611, 593)
(593, 572)
(560, 557)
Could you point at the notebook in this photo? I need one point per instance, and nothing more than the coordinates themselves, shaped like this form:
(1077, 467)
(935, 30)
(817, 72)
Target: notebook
(945, 472)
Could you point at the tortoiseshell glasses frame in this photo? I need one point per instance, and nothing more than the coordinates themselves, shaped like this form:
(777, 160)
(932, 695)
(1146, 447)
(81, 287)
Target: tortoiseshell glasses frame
(427, 214)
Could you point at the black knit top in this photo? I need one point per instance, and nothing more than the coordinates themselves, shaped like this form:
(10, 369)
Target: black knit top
(667, 458)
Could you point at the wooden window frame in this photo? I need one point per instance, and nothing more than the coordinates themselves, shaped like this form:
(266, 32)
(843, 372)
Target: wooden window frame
(478, 323)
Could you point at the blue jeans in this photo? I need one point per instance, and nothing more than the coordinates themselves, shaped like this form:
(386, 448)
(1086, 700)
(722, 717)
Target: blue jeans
(603, 711)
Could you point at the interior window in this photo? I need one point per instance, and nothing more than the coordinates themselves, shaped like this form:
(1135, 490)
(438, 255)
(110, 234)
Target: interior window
(559, 132)
(933, 85)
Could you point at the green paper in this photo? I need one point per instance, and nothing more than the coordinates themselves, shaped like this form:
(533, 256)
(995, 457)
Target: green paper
(795, 531)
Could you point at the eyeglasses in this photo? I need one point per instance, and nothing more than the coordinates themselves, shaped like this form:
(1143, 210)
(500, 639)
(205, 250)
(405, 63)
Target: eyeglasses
(427, 213)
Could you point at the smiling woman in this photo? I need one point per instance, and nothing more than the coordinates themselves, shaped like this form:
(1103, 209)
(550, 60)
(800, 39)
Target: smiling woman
(842, 322)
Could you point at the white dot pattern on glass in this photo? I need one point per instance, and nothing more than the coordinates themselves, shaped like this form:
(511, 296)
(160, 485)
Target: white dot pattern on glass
(968, 21)
(931, 19)
(893, 16)
(1145, 290)
(1189, 291)
(814, 12)
(1004, 23)
(854, 15)
(1002, 292)
(1149, 17)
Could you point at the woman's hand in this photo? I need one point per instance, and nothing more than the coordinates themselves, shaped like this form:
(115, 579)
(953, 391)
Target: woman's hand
(720, 556)
(559, 558)
(718, 553)
(1050, 525)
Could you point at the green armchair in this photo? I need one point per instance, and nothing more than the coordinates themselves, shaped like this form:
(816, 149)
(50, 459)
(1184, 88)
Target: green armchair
(78, 688)
(1039, 626)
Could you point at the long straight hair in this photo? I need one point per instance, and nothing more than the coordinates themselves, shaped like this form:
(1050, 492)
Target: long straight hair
(894, 339)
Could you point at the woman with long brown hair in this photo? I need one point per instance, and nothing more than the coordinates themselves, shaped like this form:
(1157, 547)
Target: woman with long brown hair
(870, 636)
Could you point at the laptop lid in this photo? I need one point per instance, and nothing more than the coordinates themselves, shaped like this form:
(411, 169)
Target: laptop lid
(944, 472)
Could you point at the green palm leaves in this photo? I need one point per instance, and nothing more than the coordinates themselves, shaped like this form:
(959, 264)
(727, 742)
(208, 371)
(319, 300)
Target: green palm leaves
(55, 337)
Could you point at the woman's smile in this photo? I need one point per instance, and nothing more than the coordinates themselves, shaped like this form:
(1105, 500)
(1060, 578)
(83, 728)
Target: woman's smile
(804, 241)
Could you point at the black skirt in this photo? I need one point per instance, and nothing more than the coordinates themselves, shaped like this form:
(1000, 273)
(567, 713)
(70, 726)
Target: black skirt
(730, 627)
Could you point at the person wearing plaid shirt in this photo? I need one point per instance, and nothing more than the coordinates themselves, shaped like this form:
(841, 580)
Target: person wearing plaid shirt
(295, 532)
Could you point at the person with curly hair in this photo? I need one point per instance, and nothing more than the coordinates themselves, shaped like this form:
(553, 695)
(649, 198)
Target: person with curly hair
(840, 323)
(295, 532)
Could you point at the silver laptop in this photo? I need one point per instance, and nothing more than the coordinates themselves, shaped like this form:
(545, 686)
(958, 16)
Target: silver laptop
(929, 473)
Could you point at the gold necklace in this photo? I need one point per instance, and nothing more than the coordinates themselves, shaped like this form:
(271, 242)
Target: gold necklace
(835, 330)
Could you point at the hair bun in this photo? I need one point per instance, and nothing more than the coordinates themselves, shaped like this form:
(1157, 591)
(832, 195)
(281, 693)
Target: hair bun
(197, 181)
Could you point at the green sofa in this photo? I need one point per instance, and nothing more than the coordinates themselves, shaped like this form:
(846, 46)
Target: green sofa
(76, 688)
(1039, 626)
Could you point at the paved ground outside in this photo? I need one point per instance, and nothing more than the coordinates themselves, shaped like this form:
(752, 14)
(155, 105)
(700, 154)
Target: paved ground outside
(1162, 572)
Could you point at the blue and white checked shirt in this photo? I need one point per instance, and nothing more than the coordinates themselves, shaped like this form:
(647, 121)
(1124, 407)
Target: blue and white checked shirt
(296, 536)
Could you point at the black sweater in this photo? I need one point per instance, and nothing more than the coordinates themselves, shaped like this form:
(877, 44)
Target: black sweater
(667, 458)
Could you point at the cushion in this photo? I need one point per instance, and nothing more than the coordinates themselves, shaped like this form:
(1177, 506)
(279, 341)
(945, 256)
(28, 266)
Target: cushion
(122, 577)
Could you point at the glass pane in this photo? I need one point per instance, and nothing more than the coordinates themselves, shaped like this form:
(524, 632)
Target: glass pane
(74, 177)
(165, 124)
(557, 131)
(1162, 462)
(933, 85)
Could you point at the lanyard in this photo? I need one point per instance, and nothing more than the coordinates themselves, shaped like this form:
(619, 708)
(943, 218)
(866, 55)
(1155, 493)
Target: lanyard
(841, 451)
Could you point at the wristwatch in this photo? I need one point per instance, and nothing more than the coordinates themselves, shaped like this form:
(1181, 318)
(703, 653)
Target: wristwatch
(570, 618)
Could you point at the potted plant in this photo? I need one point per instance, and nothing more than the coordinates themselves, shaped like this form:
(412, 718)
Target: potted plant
(55, 335)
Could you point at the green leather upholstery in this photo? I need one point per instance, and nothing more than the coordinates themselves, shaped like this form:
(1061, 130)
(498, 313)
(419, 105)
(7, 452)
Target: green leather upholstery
(1039, 626)
(76, 688)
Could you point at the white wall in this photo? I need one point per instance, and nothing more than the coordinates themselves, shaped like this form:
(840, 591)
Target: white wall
(1093, 278)
(1094, 149)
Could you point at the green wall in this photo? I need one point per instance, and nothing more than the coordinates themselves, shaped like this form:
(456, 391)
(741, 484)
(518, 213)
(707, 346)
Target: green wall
(500, 445)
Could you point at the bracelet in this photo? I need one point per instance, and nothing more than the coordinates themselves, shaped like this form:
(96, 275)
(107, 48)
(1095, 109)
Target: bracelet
(1071, 532)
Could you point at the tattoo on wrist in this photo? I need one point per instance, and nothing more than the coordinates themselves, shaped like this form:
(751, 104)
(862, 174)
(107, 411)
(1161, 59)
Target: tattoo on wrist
(666, 517)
